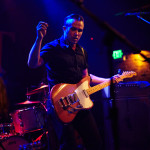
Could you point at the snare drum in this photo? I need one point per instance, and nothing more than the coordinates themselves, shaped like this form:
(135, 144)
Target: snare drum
(29, 119)
(12, 143)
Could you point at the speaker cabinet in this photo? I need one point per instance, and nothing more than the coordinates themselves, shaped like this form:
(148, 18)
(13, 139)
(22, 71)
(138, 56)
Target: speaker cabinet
(127, 122)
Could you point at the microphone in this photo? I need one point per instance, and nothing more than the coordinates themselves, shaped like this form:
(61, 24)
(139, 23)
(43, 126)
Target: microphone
(137, 13)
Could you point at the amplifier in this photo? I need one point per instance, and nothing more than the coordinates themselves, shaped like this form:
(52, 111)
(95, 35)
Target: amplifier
(128, 90)
(129, 120)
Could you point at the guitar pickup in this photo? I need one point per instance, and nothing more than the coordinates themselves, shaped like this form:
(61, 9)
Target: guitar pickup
(63, 102)
(85, 93)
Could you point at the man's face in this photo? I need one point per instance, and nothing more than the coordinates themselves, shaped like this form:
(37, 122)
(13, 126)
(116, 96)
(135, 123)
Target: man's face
(73, 31)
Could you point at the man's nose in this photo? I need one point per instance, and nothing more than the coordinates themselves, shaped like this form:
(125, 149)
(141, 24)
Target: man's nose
(76, 32)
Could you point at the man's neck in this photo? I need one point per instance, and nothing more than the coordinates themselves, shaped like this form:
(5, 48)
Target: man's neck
(73, 46)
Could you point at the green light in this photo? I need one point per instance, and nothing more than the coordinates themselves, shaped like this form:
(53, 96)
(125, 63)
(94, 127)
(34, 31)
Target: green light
(117, 54)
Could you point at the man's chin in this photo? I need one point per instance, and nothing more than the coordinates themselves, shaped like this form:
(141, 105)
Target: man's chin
(75, 41)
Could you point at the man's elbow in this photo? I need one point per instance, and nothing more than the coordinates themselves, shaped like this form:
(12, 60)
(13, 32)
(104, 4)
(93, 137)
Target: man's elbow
(33, 65)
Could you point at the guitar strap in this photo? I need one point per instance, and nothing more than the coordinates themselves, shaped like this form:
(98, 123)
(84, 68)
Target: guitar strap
(83, 54)
(85, 59)
(82, 51)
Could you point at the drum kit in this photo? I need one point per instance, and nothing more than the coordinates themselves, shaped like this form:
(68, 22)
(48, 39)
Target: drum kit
(28, 127)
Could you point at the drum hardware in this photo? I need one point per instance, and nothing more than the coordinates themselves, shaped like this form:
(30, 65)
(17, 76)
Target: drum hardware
(32, 146)
(23, 143)
(28, 102)
(42, 92)
(38, 142)
(42, 88)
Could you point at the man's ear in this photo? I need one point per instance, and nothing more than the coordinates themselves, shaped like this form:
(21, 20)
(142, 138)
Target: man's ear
(64, 28)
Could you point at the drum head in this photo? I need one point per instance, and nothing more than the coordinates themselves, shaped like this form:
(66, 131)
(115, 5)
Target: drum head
(13, 143)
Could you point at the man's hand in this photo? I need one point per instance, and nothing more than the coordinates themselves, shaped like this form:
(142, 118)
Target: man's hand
(41, 29)
(117, 78)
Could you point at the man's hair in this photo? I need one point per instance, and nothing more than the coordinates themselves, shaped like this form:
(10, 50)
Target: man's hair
(73, 16)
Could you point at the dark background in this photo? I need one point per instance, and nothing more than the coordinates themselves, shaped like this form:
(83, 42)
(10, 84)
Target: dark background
(18, 27)
(18, 20)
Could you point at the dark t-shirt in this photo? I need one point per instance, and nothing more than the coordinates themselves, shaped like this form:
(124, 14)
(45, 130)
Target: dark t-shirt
(63, 64)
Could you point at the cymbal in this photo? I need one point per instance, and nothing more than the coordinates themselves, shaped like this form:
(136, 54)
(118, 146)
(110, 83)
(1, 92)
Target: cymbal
(27, 102)
(40, 89)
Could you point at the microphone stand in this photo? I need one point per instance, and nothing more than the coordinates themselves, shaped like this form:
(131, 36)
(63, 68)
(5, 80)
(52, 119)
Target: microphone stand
(143, 19)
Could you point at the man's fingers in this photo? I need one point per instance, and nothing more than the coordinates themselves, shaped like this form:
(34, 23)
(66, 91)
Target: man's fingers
(117, 78)
(42, 25)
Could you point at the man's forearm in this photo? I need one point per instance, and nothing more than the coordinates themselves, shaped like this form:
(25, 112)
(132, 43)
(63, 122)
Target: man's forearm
(97, 80)
(34, 59)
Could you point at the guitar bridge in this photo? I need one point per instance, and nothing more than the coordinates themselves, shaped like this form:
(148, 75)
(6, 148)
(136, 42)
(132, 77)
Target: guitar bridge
(73, 98)
(73, 109)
